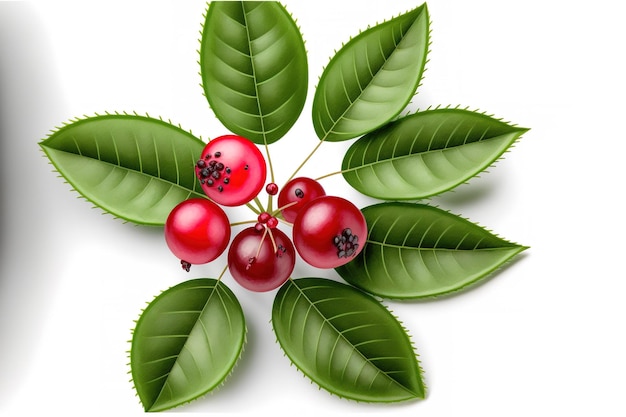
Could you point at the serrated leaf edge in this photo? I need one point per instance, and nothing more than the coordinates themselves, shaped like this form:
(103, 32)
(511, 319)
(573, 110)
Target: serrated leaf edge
(206, 394)
(105, 113)
(404, 329)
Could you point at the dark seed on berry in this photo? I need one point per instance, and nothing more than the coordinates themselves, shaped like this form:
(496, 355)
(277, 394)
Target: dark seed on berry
(210, 182)
(228, 170)
(347, 232)
(201, 164)
(299, 193)
(226, 180)
(216, 175)
(341, 253)
(219, 166)
(218, 154)
(220, 188)
(204, 173)
(212, 163)
(246, 167)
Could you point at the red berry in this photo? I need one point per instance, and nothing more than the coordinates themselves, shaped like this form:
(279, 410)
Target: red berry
(271, 188)
(197, 231)
(264, 217)
(295, 194)
(231, 170)
(272, 223)
(329, 232)
(259, 261)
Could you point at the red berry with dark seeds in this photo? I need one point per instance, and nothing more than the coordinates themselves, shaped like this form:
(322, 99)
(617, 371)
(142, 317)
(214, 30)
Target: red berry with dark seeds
(231, 170)
(295, 194)
(329, 232)
(197, 231)
(261, 261)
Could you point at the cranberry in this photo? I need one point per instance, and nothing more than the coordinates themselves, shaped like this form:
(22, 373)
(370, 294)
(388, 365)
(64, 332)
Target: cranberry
(329, 232)
(261, 260)
(231, 170)
(197, 231)
(295, 194)
(271, 188)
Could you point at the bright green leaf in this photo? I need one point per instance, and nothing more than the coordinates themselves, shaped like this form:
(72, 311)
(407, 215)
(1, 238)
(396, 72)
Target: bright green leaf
(134, 167)
(186, 343)
(254, 68)
(426, 153)
(346, 341)
(416, 250)
(372, 78)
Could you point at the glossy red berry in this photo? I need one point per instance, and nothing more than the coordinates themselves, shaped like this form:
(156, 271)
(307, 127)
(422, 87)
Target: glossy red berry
(295, 194)
(259, 261)
(329, 232)
(231, 170)
(271, 188)
(197, 231)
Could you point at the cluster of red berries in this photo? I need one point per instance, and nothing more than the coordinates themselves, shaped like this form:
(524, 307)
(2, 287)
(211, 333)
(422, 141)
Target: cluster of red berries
(232, 172)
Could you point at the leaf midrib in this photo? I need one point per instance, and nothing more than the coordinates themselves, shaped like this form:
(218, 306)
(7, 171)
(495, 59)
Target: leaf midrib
(254, 78)
(395, 246)
(80, 155)
(341, 335)
(362, 89)
(214, 290)
(418, 154)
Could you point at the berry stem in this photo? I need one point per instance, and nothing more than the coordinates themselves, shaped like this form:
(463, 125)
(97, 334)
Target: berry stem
(258, 204)
(254, 209)
(269, 161)
(307, 158)
(242, 223)
(279, 209)
(329, 175)
(222, 274)
(272, 239)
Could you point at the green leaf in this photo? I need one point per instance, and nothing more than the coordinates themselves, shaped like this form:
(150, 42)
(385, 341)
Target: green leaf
(416, 250)
(426, 153)
(186, 343)
(372, 78)
(134, 167)
(346, 341)
(254, 68)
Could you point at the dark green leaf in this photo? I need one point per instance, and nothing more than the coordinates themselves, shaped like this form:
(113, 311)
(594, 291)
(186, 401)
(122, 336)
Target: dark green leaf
(186, 343)
(372, 78)
(416, 251)
(254, 68)
(426, 153)
(346, 341)
(134, 167)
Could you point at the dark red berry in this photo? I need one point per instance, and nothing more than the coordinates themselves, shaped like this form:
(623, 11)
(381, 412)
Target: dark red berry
(295, 194)
(329, 232)
(260, 261)
(272, 222)
(271, 188)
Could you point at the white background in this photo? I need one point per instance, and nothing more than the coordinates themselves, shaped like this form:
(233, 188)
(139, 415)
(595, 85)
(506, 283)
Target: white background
(544, 336)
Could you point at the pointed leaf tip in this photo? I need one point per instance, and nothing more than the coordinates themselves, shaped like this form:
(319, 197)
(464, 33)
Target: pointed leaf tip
(187, 341)
(426, 153)
(346, 341)
(371, 79)
(418, 251)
